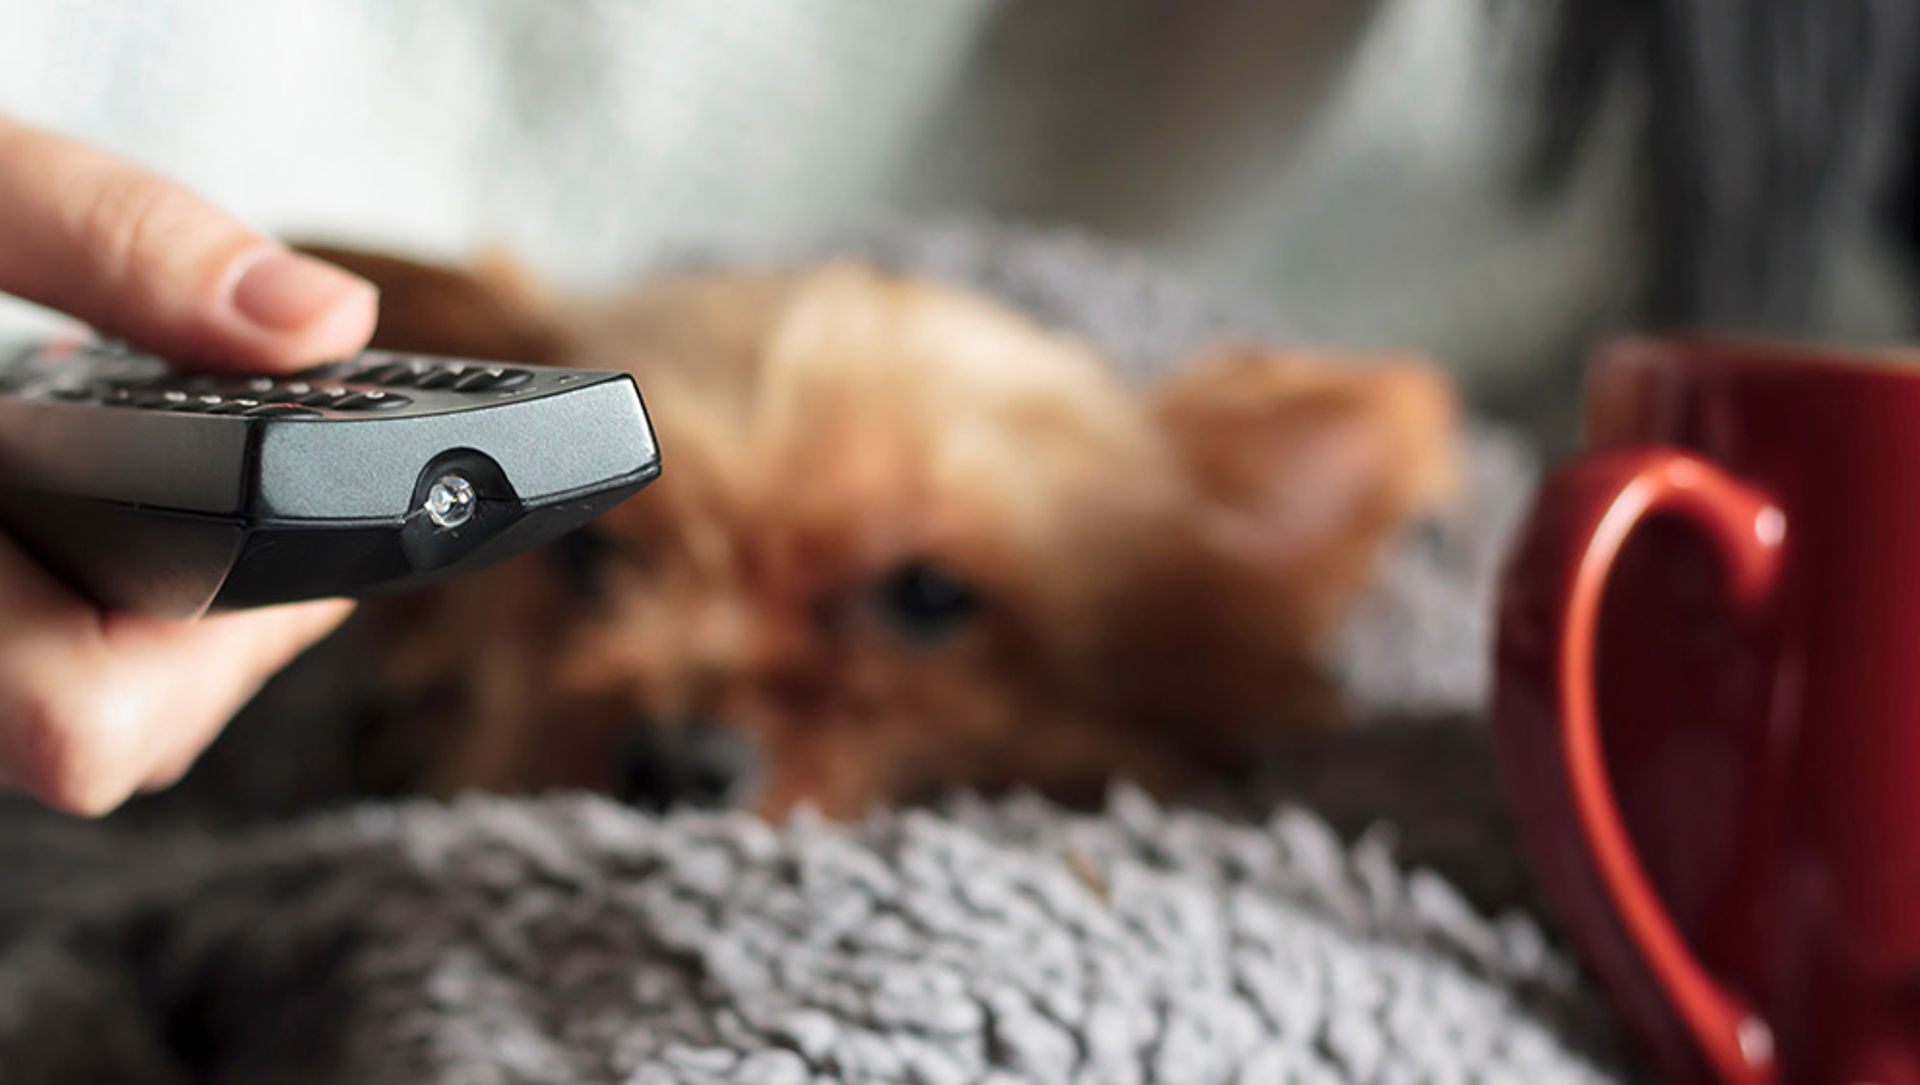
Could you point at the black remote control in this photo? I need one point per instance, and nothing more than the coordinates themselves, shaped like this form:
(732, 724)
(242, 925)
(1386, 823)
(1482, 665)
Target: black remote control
(166, 493)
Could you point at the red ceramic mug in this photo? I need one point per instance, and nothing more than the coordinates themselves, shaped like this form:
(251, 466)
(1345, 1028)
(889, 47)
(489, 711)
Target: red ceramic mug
(1708, 705)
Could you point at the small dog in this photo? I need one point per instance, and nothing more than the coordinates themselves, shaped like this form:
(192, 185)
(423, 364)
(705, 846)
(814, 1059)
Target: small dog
(905, 541)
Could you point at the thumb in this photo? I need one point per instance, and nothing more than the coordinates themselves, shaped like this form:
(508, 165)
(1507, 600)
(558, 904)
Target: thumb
(142, 258)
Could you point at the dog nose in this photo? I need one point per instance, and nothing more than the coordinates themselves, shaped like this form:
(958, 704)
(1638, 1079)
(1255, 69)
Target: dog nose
(702, 764)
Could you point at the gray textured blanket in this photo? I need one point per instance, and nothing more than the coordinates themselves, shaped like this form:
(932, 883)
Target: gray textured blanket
(1338, 935)
(572, 940)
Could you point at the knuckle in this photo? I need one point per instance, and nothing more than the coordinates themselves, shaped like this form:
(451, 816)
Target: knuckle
(117, 216)
(134, 226)
(59, 755)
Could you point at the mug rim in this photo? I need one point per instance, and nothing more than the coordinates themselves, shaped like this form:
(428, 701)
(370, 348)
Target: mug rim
(1900, 362)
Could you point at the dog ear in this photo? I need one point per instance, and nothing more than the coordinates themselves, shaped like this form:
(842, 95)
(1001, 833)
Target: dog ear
(1304, 463)
(493, 310)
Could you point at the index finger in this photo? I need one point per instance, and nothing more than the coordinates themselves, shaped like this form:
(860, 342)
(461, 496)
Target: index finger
(143, 258)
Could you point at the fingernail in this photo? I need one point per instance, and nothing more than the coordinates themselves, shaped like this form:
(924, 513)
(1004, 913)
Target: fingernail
(285, 291)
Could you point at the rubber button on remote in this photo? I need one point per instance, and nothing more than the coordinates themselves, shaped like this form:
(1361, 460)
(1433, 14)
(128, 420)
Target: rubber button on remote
(374, 400)
(393, 374)
(325, 397)
(490, 378)
(378, 374)
(282, 410)
(164, 400)
(411, 372)
(438, 376)
(234, 406)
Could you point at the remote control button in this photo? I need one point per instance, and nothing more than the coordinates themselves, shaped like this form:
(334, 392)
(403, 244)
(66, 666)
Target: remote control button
(324, 397)
(439, 376)
(372, 400)
(269, 387)
(163, 399)
(417, 371)
(282, 410)
(385, 401)
(118, 397)
(237, 405)
(71, 393)
(393, 374)
(491, 377)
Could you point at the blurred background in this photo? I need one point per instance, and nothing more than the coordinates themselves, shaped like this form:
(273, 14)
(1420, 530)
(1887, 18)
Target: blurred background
(1496, 183)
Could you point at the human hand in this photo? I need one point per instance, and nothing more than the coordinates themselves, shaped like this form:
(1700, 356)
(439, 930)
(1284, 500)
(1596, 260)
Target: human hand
(96, 706)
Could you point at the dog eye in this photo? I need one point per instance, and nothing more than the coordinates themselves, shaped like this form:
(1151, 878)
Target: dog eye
(925, 602)
(581, 558)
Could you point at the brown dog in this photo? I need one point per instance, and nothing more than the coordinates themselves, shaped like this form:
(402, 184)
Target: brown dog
(905, 540)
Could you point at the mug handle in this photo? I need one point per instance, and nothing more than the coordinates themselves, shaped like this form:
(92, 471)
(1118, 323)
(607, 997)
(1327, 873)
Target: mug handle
(1547, 728)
